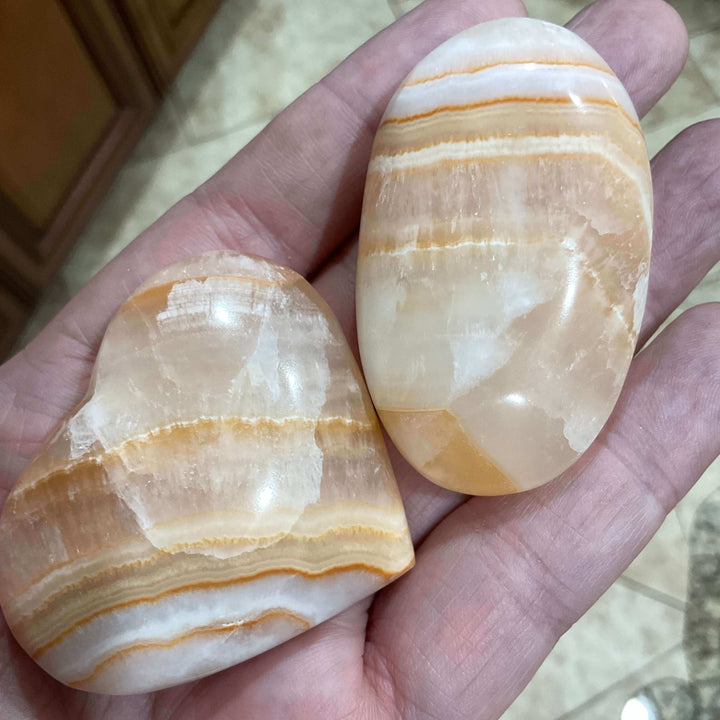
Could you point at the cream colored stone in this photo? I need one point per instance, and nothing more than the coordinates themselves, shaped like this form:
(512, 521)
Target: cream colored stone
(222, 487)
(504, 253)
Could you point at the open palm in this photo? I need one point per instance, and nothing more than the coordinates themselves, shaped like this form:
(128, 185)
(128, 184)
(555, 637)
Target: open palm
(497, 581)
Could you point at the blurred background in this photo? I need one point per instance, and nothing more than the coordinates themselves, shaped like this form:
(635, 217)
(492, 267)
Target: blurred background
(112, 110)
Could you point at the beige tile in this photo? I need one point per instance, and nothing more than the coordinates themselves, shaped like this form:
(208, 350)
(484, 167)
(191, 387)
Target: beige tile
(141, 193)
(705, 51)
(690, 96)
(662, 566)
(667, 672)
(255, 58)
(621, 633)
(556, 11)
(699, 15)
(707, 291)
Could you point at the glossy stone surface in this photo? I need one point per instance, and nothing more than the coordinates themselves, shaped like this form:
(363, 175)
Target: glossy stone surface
(504, 256)
(222, 487)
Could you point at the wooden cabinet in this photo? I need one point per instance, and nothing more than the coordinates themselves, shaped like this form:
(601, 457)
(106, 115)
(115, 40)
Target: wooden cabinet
(79, 81)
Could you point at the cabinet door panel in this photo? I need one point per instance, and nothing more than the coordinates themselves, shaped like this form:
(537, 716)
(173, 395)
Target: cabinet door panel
(58, 111)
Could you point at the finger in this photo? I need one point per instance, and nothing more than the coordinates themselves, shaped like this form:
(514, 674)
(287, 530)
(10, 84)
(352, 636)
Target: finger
(501, 579)
(686, 182)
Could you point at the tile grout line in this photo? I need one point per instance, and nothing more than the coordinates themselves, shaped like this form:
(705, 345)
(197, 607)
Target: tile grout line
(652, 593)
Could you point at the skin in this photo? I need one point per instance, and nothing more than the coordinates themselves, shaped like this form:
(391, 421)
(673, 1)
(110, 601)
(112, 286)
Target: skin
(497, 580)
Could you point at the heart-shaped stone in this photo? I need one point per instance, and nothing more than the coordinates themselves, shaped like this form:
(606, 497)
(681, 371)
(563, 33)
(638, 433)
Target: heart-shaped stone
(504, 256)
(222, 487)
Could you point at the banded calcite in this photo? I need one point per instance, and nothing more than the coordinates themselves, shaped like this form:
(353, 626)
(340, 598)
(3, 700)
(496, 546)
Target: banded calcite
(222, 487)
(504, 253)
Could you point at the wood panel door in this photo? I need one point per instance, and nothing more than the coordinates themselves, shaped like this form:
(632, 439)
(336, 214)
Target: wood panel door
(75, 98)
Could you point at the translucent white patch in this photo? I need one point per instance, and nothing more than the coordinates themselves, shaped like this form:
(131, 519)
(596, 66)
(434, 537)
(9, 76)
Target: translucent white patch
(477, 356)
(640, 298)
(580, 432)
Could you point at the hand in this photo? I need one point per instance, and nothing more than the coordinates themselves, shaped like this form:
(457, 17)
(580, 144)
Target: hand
(497, 581)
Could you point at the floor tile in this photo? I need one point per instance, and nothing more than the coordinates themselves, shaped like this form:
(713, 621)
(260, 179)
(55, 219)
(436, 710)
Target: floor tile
(690, 96)
(699, 15)
(255, 58)
(620, 634)
(705, 51)
(661, 569)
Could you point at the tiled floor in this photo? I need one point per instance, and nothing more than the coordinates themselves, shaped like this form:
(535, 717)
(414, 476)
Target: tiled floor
(638, 645)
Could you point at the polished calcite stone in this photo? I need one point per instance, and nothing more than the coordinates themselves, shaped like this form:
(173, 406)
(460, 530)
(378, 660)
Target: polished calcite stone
(504, 256)
(222, 487)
